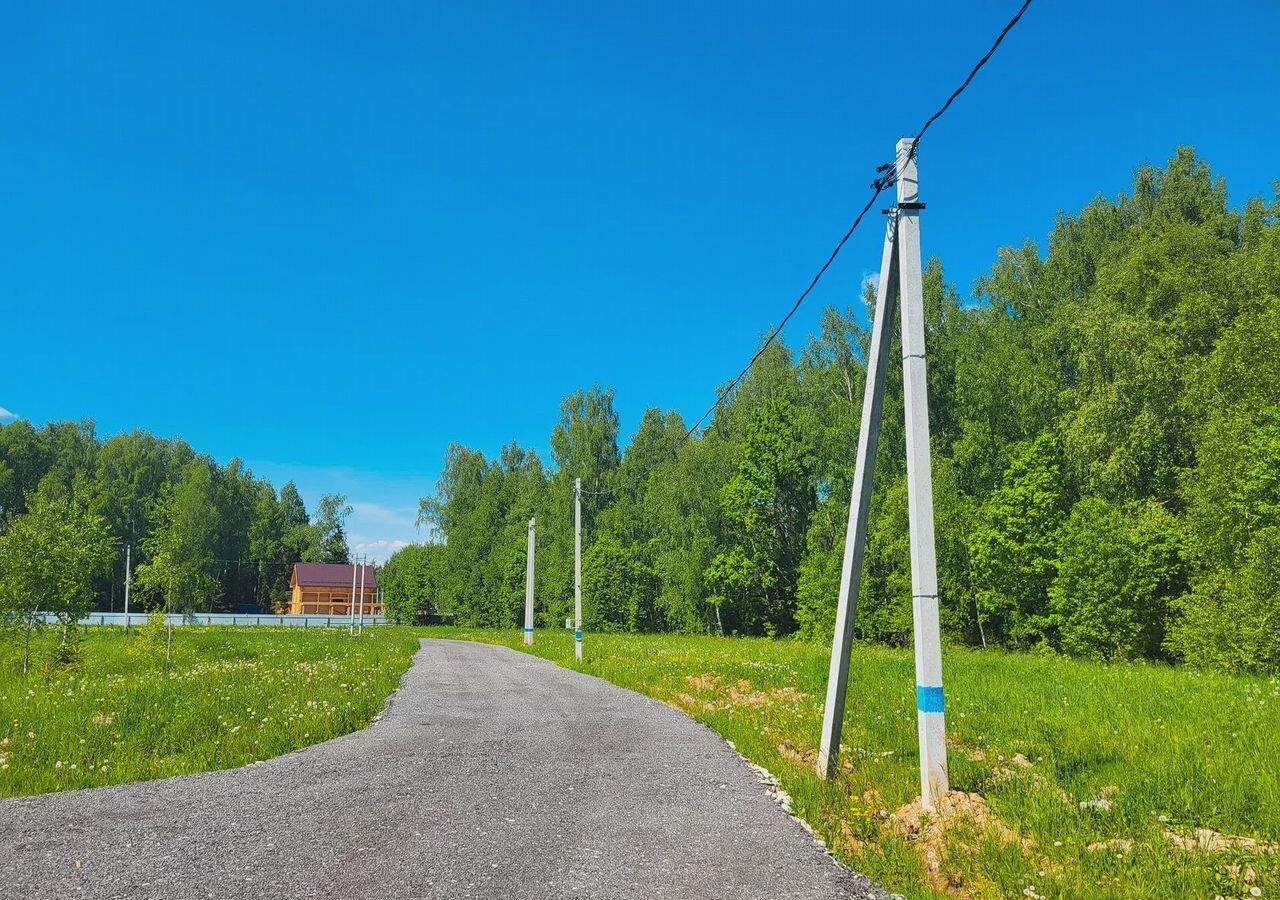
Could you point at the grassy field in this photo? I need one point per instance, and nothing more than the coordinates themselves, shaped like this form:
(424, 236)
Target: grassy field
(232, 696)
(1153, 753)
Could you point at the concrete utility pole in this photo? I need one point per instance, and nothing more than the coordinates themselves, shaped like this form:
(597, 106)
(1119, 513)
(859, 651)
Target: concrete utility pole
(900, 278)
(128, 577)
(577, 568)
(528, 583)
(364, 564)
(353, 595)
(855, 541)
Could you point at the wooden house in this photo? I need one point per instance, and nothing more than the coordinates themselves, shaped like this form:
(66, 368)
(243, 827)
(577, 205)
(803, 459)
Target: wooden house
(324, 589)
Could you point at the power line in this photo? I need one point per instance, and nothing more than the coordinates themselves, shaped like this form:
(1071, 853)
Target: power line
(888, 176)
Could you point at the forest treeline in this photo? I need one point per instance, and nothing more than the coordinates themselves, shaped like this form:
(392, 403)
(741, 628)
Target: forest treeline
(1106, 456)
(202, 536)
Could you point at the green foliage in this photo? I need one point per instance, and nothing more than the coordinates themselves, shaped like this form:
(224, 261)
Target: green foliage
(330, 541)
(411, 581)
(1231, 621)
(618, 588)
(152, 638)
(49, 559)
(766, 507)
(182, 563)
(1117, 568)
(1014, 544)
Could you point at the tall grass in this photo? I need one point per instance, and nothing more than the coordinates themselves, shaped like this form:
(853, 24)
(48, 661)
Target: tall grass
(231, 696)
(1168, 750)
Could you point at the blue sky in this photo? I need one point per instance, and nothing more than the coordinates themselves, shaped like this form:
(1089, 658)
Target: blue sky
(402, 225)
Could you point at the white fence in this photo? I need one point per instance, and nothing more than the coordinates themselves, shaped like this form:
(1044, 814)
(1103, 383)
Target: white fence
(138, 618)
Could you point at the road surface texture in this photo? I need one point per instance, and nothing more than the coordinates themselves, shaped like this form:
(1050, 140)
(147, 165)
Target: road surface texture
(492, 774)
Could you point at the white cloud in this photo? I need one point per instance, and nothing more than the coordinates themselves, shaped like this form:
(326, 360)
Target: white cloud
(6, 416)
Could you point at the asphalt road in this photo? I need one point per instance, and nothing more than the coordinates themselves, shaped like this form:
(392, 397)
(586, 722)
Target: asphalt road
(492, 774)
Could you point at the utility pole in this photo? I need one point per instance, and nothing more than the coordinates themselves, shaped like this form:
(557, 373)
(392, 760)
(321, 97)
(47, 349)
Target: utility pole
(168, 618)
(855, 541)
(934, 780)
(128, 578)
(353, 594)
(528, 583)
(900, 280)
(364, 564)
(577, 568)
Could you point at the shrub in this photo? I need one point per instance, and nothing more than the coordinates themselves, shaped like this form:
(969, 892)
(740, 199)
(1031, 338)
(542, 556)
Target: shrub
(1117, 568)
(1231, 622)
(152, 639)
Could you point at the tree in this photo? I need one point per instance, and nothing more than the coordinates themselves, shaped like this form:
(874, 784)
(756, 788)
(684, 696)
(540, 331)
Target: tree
(411, 581)
(51, 556)
(1231, 620)
(618, 587)
(1014, 544)
(1117, 568)
(766, 507)
(182, 563)
(330, 545)
(267, 549)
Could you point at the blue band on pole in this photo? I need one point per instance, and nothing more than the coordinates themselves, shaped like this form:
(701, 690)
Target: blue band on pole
(577, 635)
(528, 631)
(929, 699)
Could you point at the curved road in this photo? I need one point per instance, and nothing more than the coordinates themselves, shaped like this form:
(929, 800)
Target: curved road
(493, 774)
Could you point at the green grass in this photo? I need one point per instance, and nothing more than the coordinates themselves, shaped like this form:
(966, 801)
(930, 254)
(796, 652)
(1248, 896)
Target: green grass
(231, 697)
(1170, 749)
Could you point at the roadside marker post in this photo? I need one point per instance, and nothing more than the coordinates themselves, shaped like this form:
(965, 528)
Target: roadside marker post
(577, 568)
(528, 584)
(900, 280)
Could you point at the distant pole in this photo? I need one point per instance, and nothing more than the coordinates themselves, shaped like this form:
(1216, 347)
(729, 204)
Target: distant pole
(364, 564)
(528, 583)
(168, 618)
(900, 280)
(577, 568)
(353, 594)
(128, 578)
(924, 565)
